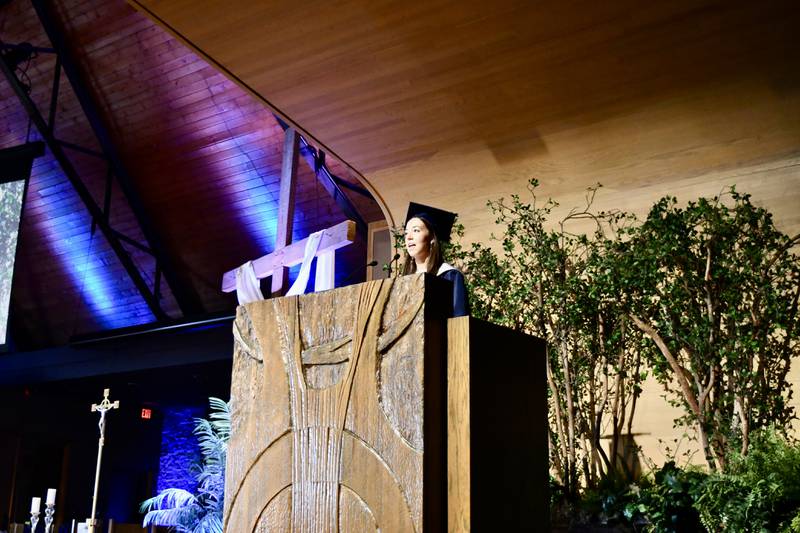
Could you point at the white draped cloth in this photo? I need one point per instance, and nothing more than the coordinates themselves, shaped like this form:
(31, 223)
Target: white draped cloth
(301, 283)
(248, 288)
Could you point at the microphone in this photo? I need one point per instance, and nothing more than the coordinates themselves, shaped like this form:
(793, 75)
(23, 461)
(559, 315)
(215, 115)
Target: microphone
(359, 269)
(388, 266)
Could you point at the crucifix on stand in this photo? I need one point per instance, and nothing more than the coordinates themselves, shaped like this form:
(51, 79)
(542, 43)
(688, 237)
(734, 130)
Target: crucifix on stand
(102, 407)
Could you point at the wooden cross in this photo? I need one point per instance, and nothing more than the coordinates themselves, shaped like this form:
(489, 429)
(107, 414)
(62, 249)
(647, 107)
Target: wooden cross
(333, 238)
(286, 253)
(291, 144)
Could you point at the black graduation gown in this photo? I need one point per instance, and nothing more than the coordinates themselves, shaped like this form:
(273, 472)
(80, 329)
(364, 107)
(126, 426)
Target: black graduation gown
(460, 301)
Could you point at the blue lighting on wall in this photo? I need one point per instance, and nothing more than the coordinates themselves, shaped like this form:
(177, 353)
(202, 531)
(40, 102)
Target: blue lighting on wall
(88, 269)
(179, 449)
(253, 203)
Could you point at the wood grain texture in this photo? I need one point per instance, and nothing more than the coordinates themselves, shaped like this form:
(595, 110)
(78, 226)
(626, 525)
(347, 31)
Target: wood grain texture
(458, 427)
(328, 435)
(452, 104)
(497, 453)
(286, 204)
(204, 156)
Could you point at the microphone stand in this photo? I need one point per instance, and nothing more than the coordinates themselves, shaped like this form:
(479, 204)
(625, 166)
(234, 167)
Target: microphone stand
(388, 266)
(358, 270)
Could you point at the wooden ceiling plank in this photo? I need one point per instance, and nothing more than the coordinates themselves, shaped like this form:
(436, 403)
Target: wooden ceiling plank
(74, 178)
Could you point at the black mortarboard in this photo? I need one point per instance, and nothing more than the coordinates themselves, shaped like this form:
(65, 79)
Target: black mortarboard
(440, 220)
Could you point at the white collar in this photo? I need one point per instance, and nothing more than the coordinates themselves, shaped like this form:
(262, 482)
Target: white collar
(444, 268)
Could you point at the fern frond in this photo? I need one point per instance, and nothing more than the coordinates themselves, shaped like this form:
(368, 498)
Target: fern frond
(168, 499)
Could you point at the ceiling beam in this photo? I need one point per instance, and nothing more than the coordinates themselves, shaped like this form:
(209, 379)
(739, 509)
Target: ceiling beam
(84, 194)
(186, 298)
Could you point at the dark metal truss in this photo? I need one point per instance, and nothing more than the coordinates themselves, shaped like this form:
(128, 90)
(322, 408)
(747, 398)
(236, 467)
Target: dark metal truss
(184, 295)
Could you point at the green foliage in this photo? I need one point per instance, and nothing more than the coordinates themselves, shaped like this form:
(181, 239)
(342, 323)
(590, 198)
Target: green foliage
(794, 525)
(665, 503)
(704, 296)
(551, 283)
(759, 492)
(200, 512)
(715, 286)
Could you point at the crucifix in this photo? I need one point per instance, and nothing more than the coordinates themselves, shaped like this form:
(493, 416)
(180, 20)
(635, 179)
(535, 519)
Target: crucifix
(102, 408)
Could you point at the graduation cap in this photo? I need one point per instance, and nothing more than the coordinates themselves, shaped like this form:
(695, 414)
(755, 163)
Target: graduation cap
(440, 220)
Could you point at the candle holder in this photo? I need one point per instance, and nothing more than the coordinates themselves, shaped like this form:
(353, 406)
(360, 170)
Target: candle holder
(48, 517)
(92, 525)
(34, 520)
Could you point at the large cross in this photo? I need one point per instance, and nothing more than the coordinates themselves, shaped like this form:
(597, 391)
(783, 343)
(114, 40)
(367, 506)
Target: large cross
(286, 253)
(283, 233)
(333, 238)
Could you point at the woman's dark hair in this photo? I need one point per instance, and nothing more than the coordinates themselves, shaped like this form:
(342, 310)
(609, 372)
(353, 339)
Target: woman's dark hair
(435, 257)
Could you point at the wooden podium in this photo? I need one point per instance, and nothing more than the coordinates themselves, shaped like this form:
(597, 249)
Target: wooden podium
(343, 419)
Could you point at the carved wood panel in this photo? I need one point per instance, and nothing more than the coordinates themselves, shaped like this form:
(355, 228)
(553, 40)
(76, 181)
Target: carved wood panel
(327, 411)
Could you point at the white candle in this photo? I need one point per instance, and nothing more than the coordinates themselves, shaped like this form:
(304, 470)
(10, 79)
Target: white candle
(51, 496)
(36, 503)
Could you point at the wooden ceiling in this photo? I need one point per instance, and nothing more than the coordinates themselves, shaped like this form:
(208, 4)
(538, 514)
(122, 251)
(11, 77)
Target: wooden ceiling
(445, 102)
(454, 102)
(204, 156)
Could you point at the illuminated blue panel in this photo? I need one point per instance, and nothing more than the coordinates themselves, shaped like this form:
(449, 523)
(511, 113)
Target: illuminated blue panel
(179, 449)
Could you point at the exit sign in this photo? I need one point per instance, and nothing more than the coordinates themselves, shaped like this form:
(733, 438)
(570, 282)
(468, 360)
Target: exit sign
(146, 414)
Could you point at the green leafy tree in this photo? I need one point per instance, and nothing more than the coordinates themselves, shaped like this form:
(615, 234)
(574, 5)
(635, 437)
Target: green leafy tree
(714, 286)
(199, 512)
(545, 282)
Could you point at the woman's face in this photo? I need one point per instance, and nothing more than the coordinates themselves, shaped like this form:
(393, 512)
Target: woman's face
(418, 240)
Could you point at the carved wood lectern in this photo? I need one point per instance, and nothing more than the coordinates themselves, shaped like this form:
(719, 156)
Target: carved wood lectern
(341, 416)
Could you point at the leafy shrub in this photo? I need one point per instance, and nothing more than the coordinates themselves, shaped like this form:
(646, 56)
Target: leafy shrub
(666, 503)
(759, 492)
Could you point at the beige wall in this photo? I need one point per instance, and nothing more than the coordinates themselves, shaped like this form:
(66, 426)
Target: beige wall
(691, 145)
(661, 442)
